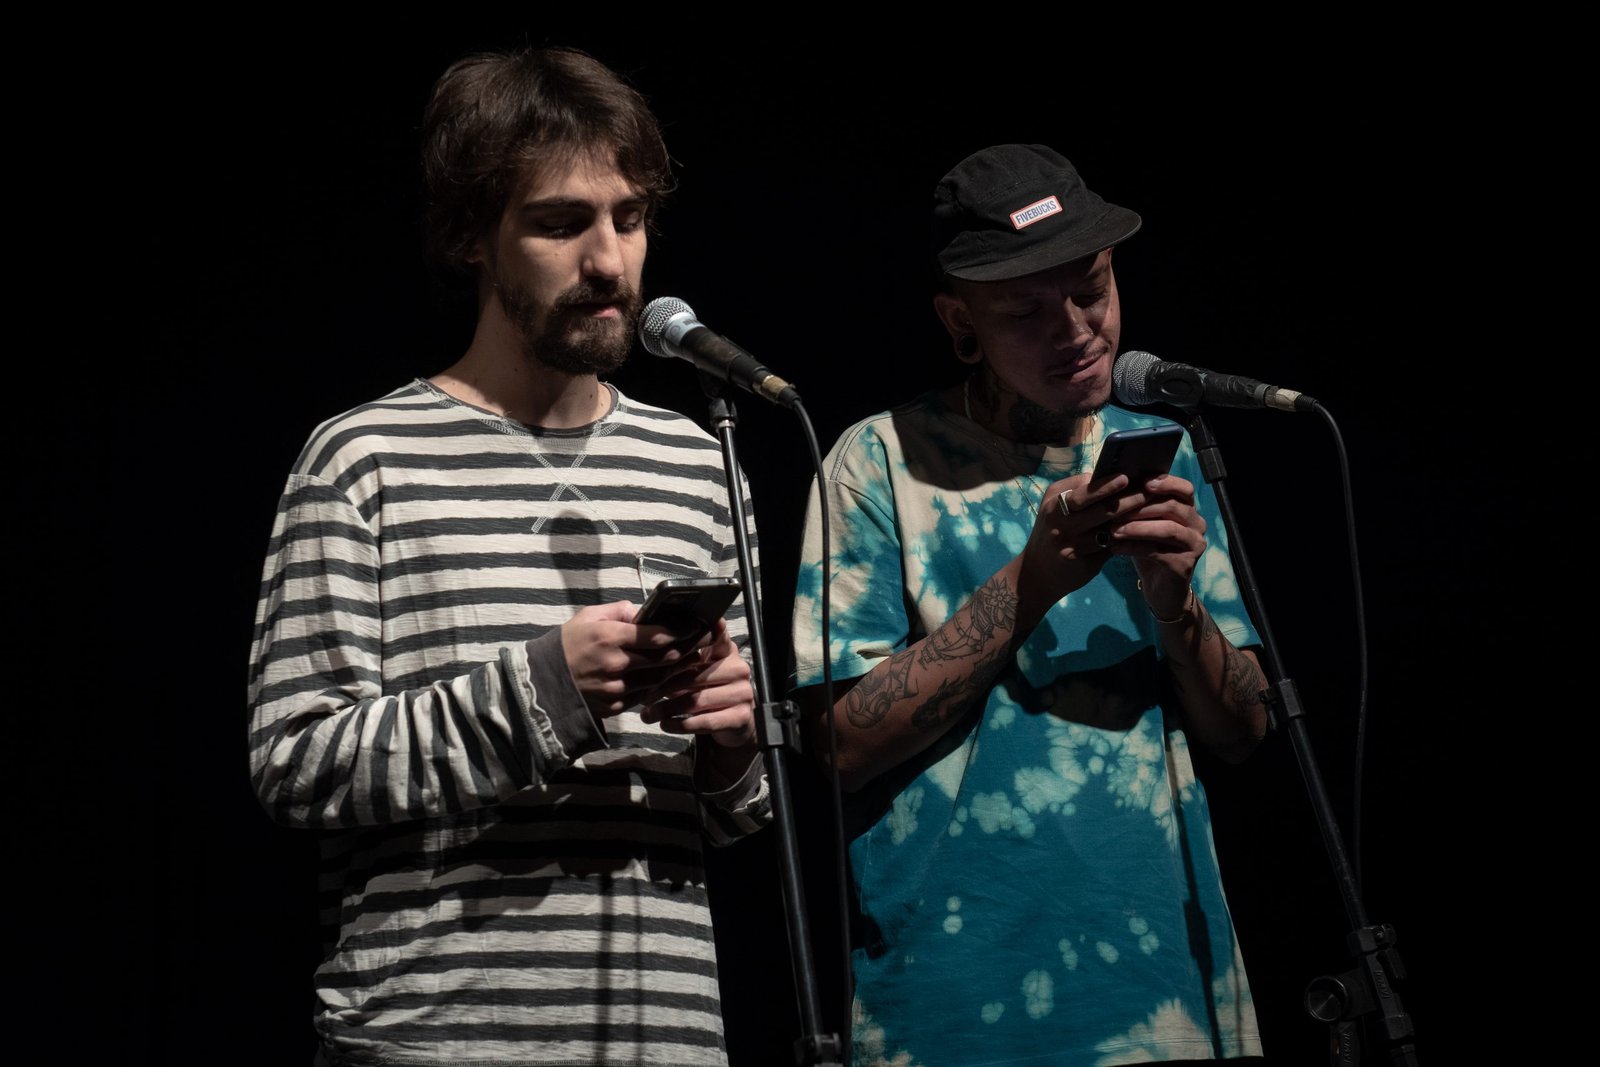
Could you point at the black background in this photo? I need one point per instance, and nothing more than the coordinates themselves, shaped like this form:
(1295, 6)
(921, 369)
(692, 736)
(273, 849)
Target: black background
(240, 259)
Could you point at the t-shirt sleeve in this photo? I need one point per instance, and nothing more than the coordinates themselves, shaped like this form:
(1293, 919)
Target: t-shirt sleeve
(869, 620)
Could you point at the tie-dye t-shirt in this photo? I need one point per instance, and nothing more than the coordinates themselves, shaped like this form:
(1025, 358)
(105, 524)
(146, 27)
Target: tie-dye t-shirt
(1039, 886)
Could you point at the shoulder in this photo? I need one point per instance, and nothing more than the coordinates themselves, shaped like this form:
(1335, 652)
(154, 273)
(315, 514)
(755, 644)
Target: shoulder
(880, 438)
(412, 413)
(635, 418)
(655, 440)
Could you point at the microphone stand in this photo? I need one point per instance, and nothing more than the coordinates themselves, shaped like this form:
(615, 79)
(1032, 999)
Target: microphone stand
(1365, 992)
(774, 726)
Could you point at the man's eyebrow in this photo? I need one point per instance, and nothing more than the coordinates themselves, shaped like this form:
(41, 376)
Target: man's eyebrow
(575, 203)
(569, 202)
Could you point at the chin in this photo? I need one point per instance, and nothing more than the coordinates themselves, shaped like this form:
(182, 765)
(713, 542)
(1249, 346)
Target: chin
(1083, 396)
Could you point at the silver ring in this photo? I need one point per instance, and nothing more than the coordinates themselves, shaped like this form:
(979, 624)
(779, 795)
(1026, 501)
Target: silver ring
(1061, 502)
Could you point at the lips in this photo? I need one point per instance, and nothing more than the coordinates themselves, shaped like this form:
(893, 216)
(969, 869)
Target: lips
(593, 311)
(1076, 367)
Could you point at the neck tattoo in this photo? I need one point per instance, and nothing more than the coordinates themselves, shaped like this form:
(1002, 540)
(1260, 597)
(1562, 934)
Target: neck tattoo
(1008, 448)
(1022, 486)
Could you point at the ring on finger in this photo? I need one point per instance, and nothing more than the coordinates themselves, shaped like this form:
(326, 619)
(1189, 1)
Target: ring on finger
(1062, 502)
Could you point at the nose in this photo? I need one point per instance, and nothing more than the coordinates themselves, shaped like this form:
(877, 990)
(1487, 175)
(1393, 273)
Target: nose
(1073, 329)
(602, 253)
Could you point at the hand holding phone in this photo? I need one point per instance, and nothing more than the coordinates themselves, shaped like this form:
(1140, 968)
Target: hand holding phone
(688, 606)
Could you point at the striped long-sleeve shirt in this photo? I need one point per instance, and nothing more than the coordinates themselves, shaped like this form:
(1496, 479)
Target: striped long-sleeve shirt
(504, 880)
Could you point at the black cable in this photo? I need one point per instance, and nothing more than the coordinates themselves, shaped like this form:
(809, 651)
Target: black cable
(841, 858)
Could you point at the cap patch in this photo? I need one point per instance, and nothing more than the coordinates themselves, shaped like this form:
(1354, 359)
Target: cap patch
(1039, 209)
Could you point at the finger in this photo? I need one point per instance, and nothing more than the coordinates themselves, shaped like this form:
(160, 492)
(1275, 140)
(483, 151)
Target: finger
(1167, 510)
(1097, 509)
(637, 661)
(1087, 550)
(1170, 485)
(739, 720)
(730, 694)
(653, 638)
(721, 642)
(616, 611)
(653, 690)
(1145, 537)
(1075, 494)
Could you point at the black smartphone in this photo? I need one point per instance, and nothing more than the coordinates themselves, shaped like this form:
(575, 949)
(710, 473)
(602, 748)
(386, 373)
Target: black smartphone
(1140, 454)
(689, 606)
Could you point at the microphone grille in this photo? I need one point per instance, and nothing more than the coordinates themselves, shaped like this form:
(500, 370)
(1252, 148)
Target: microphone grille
(654, 319)
(1130, 379)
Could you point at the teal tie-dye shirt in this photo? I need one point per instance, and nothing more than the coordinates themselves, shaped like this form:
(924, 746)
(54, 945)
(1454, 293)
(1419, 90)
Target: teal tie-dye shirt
(1039, 887)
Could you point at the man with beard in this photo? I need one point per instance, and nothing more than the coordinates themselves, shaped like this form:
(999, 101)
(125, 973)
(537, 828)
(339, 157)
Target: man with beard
(1024, 655)
(512, 778)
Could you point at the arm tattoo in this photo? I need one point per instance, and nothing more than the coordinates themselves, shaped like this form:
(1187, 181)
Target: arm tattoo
(1208, 632)
(954, 694)
(992, 609)
(869, 702)
(1241, 679)
(968, 632)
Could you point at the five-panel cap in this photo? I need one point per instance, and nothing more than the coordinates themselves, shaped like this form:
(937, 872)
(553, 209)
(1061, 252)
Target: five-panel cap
(1017, 209)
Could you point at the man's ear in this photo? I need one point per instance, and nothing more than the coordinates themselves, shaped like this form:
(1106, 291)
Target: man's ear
(952, 312)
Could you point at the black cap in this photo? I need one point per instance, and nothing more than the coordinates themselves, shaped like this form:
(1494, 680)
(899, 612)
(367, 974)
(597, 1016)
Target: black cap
(1017, 209)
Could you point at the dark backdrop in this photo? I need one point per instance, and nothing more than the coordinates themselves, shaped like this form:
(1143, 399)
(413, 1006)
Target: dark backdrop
(259, 201)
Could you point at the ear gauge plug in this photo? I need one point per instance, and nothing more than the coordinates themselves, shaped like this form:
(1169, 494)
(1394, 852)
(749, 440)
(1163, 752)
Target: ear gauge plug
(967, 348)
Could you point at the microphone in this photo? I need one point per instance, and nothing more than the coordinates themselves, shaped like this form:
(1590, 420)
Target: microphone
(1138, 378)
(668, 328)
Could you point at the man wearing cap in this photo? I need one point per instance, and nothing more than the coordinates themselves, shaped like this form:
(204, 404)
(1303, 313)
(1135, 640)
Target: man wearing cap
(1020, 661)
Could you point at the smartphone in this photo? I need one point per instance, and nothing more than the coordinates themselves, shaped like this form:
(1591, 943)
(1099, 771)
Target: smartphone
(689, 606)
(1140, 454)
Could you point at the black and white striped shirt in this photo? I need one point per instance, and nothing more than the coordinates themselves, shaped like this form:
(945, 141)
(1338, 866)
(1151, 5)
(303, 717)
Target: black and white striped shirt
(505, 881)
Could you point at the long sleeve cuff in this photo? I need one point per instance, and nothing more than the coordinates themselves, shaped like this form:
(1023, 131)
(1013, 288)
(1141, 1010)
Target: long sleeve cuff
(737, 795)
(556, 710)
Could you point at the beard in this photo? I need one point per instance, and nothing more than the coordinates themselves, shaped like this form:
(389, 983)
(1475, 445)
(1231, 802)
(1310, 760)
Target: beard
(565, 337)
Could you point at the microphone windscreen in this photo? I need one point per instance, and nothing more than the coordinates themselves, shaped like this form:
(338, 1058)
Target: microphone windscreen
(1130, 379)
(654, 320)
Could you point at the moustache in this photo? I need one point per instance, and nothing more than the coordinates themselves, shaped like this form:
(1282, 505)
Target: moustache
(587, 294)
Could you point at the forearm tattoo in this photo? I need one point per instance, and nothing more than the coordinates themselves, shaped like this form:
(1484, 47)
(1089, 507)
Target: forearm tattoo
(1208, 632)
(990, 614)
(1241, 679)
(1242, 682)
(869, 702)
(992, 607)
(954, 694)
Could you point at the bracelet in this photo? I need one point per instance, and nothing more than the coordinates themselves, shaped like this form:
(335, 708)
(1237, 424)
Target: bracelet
(1184, 614)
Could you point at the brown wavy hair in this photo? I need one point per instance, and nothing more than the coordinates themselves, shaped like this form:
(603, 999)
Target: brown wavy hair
(497, 120)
